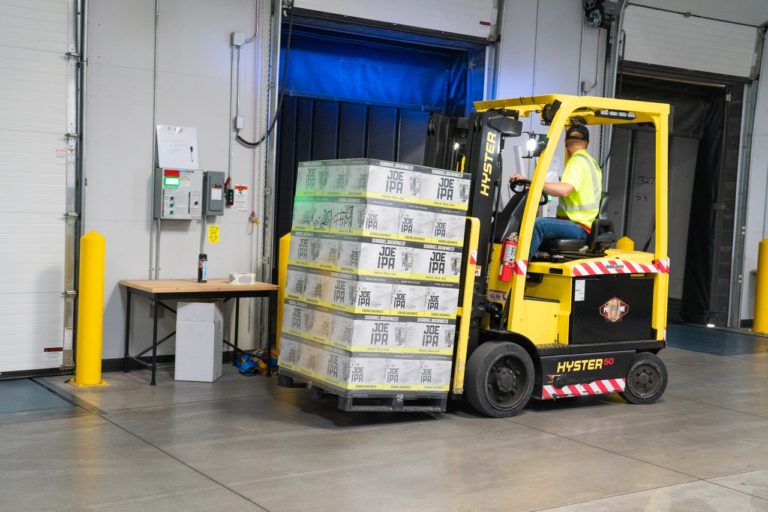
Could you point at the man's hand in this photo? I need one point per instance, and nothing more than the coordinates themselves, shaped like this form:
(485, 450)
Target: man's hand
(516, 177)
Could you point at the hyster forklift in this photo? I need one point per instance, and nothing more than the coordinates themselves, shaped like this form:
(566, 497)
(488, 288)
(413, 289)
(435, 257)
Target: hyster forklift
(581, 318)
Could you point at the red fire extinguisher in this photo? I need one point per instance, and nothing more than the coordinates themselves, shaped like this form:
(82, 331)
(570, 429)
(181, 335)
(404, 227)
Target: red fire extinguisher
(508, 253)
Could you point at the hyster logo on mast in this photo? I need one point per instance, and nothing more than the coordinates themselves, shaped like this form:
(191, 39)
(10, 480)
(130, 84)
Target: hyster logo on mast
(614, 310)
(490, 154)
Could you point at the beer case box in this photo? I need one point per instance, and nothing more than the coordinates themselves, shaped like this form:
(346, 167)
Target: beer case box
(323, 177)
(441, 301)
(312, 214)
(431, 335)
(364, 218)
(448, 227)
(437, 263)
(385, 258)
(408, 299)
(308, 249)
(416, 225)
(386, 180)
(354, 294)
(444, 188)
(369, 333)
(308, 322)
(360, 371)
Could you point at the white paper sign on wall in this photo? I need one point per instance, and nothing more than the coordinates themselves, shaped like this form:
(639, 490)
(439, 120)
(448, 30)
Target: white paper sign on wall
(177, 147)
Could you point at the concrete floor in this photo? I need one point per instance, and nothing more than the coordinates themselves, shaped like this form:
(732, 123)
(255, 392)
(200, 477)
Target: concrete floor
(244, 444)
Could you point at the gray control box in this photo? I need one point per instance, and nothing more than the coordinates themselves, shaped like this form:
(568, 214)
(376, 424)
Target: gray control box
(178, 194)
(213, 193)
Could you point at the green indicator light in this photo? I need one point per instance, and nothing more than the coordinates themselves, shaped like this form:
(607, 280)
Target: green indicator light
(171, 181)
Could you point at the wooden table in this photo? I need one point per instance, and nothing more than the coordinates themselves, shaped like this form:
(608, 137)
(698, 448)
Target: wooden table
(160, 290)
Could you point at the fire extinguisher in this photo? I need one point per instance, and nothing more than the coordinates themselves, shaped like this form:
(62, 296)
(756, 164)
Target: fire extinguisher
(508, 253)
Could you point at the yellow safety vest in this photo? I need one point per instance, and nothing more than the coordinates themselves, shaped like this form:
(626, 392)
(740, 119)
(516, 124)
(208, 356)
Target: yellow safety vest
(581, 206)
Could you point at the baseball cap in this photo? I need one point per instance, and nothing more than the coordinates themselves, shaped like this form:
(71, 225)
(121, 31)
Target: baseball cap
(577, 131)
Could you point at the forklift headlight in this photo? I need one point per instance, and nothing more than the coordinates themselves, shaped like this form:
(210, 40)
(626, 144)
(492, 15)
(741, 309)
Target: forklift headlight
(536, 144)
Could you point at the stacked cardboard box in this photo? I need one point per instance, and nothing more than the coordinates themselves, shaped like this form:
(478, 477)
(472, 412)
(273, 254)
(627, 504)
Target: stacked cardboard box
(374, 268)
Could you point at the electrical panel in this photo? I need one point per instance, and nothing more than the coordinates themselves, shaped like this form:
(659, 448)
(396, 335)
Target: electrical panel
(178, 194)
(213, 193)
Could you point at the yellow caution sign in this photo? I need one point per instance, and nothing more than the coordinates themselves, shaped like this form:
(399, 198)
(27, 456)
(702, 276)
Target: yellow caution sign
(213, 233)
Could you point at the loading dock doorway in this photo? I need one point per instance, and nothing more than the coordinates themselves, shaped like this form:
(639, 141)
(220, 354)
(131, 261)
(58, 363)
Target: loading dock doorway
(358, 89)
(705, 127)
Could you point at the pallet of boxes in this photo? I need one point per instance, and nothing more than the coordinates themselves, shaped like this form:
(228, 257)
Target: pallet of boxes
(373, 282)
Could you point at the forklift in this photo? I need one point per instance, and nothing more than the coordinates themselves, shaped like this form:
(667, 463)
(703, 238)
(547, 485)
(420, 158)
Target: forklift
(581, 318)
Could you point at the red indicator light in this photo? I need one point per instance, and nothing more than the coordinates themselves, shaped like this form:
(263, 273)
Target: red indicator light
(171, 172)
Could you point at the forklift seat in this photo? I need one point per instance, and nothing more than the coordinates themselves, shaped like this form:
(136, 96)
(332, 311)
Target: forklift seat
(599, 239)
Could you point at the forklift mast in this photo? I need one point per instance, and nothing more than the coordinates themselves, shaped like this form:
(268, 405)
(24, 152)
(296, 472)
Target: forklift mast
(473, 145)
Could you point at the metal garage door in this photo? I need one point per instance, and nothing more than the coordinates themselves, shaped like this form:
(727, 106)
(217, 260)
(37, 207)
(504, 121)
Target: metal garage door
(36, 171)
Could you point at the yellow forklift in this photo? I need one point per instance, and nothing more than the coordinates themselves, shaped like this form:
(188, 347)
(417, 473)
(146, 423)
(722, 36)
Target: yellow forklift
(581, 318)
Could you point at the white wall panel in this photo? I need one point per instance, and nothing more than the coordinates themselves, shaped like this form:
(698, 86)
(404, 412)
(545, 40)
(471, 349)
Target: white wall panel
(193, 88)
(673, 40)
(467, 17)
(33, 101)
(546, 48)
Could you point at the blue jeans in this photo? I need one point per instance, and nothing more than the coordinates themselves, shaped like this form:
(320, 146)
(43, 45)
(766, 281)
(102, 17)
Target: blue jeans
(548, 227)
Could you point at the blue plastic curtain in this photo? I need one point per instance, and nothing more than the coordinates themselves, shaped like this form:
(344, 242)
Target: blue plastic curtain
(354, 69)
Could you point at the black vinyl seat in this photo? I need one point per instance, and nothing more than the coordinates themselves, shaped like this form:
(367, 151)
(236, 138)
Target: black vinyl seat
(600, 238)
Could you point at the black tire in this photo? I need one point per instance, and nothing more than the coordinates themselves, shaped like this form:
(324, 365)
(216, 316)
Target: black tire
(499, 379)
(646, 379)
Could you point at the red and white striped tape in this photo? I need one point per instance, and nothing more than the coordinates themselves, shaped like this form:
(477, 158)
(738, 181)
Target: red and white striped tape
(608, 266)
(597, 387)
(520, 267)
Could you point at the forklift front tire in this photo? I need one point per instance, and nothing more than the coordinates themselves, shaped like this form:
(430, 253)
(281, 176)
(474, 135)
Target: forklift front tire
(499, 379)
(646, 379)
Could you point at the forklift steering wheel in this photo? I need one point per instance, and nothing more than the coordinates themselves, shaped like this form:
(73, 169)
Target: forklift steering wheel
(519, 186)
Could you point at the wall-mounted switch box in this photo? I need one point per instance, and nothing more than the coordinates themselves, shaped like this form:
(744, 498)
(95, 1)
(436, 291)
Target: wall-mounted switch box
(213, 193)
(178, 194)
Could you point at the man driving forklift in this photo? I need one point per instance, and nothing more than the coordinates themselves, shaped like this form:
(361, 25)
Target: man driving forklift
(579, 191)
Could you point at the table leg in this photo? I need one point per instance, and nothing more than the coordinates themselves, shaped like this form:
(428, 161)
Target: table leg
(156, 303)
(237, 330)
(127, 331)
(271, 329)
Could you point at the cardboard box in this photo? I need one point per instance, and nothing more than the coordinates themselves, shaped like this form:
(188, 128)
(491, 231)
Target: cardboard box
(449, 228)
(322, 178)
(408, 299)
(445, 188)
(199, 341)
(437, 263)
(416, 225)
(432, 335)
(361, 371)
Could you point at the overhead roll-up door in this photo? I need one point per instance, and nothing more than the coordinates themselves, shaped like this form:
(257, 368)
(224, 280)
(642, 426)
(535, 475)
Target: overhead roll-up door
(674, 40)
(35, 158)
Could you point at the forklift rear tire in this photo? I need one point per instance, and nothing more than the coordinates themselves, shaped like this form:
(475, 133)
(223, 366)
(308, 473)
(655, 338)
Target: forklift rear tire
(646, 379)
(499, 379)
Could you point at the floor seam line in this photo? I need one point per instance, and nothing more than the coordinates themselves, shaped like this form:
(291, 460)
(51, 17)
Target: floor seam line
(735, 490)
(608, 451)
(611, 496)
(208, 477)
(695, 401)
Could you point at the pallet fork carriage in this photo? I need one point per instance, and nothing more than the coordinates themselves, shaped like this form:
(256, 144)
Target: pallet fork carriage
(582, 319)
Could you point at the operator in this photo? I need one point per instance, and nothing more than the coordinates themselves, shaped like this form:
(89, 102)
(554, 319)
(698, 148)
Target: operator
(579, 191)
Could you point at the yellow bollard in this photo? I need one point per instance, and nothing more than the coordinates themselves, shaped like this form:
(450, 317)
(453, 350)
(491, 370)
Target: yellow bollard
(625, 244)
(761, 289)
(90, 312)
(282, 277)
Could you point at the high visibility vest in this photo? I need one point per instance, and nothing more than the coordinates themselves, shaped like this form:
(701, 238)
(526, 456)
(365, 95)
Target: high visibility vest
(581, 206)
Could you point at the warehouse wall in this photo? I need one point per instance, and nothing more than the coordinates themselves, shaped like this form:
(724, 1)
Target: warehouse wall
(757, 209)
(193, 89)
(546, 48)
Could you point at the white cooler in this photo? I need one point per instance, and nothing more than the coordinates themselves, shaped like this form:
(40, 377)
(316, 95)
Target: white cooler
(199, 334)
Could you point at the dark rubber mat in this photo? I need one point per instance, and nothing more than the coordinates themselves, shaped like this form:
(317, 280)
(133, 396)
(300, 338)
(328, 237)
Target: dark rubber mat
(715, 341)
(24, 395)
